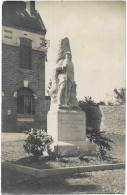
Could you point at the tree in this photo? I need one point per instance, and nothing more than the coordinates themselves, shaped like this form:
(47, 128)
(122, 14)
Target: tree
(110, 103)
(120, 95)
(88, 101)
(102, 103)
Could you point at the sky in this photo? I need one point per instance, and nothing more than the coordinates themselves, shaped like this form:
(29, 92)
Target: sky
(96, 31)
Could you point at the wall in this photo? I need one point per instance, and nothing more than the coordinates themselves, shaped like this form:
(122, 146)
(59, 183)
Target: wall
(113, 119)
(47, 98)
(106, 118)
(12, 79)
(11, 36)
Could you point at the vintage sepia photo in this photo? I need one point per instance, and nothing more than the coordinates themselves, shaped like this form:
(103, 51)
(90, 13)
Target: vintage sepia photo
(63, 97)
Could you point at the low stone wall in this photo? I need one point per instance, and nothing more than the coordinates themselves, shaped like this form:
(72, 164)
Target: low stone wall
(106, 118)
(113, 119)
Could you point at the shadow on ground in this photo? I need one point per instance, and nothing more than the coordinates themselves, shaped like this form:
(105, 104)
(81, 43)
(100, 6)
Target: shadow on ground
(42, 163)
(47, 162)
(15, 183)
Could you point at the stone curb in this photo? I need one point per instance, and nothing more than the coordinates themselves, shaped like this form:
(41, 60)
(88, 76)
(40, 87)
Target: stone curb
(39, 173)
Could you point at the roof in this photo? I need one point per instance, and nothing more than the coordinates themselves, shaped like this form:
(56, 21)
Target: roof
(16, 15)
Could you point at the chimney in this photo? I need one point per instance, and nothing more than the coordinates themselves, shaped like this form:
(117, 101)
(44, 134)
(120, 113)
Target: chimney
(30, 6)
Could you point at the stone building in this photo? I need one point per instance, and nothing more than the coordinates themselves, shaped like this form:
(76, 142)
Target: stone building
(23, 67)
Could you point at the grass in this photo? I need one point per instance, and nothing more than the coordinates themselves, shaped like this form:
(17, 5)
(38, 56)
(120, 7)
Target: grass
(101, 182)
(86, 183)
(13, 152)
(47, 163)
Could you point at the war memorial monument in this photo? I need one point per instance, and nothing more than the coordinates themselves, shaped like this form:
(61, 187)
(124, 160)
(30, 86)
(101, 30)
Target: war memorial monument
(66, 123)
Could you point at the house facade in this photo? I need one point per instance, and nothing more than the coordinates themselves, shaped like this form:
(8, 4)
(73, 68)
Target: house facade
(24, 104)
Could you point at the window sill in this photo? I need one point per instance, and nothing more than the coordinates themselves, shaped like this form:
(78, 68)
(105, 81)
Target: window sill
(25, 70)
(25, 115)
(25, 119)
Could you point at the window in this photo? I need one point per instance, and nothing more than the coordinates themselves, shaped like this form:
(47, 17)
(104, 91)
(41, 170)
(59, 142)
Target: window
(25, 53)
(25, 101)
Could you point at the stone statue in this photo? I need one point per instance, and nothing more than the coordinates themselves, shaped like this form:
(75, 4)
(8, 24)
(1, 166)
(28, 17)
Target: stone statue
(66, 122)
(63, 88)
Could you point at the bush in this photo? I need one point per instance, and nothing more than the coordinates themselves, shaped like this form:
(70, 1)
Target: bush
(101, 140)
(36, 142)
(92, 111)
(88, 101)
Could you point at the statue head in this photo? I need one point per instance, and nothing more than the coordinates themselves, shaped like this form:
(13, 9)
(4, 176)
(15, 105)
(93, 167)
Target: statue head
(68, 55)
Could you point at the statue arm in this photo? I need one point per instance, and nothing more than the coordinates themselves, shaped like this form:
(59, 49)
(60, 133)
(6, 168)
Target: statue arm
(59, 65)
(59, 68)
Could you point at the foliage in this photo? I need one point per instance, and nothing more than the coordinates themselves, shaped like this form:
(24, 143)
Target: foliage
(36, 142)
(49, 87)
(120, 95)
(88, 101)
(92, 111)
(101, 103)
(45, 43)
(81, 155)
(101, 140)
(52, 154)
(109, 103)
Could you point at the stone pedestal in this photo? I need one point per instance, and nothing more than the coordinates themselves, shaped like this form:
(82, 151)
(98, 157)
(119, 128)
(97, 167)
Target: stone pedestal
(68, 130)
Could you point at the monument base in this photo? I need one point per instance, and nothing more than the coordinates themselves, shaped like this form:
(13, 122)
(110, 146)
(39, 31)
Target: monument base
(74, 148)
(68, 130)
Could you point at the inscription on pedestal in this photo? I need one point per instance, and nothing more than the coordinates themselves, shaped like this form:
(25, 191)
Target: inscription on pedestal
(71, 127)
